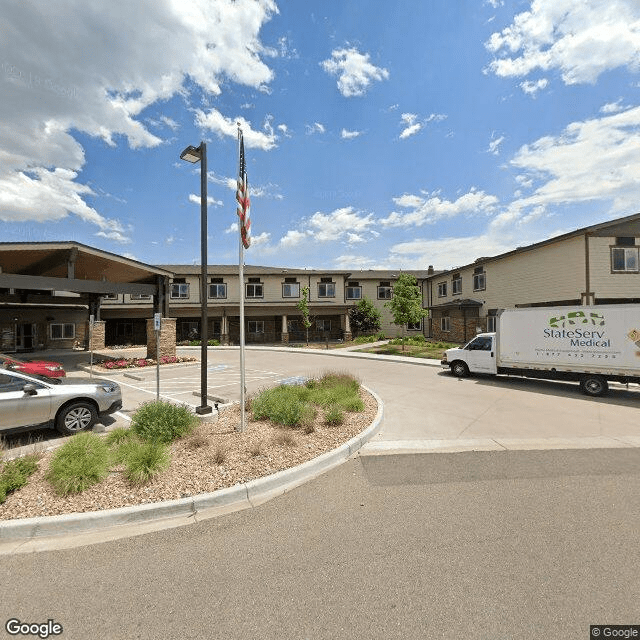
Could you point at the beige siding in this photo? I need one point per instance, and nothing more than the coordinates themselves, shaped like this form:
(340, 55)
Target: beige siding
(604, 283)
(549, 273)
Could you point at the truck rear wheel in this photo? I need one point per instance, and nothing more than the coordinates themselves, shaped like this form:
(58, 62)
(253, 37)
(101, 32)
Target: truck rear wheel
(594, 385)
(459, 369)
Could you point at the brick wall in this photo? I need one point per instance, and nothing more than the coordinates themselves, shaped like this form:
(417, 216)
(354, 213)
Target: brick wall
(167, 338)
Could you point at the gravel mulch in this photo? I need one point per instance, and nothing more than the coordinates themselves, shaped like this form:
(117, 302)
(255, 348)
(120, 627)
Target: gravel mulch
(213, 457)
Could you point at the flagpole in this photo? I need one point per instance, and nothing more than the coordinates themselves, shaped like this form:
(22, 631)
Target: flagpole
(243, 425)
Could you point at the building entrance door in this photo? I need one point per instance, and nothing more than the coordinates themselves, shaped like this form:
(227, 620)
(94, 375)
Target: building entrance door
(25, 337)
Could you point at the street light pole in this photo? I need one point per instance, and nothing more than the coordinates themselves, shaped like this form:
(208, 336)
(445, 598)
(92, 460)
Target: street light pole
(193, 155)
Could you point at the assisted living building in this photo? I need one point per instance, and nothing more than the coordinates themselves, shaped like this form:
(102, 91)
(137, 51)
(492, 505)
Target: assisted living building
(49, 292)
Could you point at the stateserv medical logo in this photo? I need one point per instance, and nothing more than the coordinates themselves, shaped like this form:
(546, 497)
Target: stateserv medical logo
(578, 337)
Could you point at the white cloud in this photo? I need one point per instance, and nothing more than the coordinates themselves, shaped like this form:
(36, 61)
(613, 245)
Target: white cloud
(411, 126)
(316, 127)
(430, 209)
(349, 135)
(531, 87)
(262, 239)
(494, 145)
(613, 107)
(580, 38)
(355, 72)
(342, 225)
(210, 201)
(95, 73)
(594, 160)
(223, 126)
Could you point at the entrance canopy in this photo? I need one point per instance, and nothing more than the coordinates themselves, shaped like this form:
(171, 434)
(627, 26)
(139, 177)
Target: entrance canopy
(77, 268)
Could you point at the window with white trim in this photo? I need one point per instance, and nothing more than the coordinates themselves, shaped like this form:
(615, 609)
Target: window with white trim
(491, 323)
(110, 296)
(326, 288)
(442, 289)
(456, 284)
(353, 291)
(414, 326)
(624, 256)
(217, 288)
(385, 291)
(255, 326)
(179, 289)
(323, 324)
(254, 289)
(479, 279)
(290, 288)
(445, 324)
(62, 331)
(140, 296)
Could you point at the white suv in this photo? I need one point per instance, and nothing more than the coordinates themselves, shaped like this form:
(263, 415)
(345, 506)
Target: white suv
(71, 405)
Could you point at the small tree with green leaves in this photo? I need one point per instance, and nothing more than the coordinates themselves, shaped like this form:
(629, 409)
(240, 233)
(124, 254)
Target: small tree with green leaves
(303, 305)
(364, 317)
(406, 303)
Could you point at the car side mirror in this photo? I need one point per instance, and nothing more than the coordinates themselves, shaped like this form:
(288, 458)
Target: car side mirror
(29, 389)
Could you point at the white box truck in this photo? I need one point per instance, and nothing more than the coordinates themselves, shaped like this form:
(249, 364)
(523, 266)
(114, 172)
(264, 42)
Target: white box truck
(589, 345)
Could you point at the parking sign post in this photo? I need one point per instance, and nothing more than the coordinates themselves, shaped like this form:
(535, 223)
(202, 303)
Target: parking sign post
(157, 320)
(91, 321)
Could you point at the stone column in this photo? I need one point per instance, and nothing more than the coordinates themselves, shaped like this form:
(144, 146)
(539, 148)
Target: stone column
(347, 327)
(95, 338)
(224, 331)
(167, 338)
(285, 330)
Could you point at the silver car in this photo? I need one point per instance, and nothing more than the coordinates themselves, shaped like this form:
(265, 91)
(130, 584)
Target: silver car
(71, 405)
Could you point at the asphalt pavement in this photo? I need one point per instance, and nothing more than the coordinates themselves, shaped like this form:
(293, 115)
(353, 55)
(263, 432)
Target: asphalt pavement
(489, 545)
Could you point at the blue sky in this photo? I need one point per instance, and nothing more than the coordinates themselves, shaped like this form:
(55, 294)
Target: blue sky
(377, 134)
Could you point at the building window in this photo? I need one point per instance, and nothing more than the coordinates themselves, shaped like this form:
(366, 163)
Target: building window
(62, 331)
(479, 279)
(323, 325)
(254, 290)
(179, 289)
(491, 323)
(110, 296)
(353, 291)
(456, 284)
(290, 289)
(217, 290)
(256, 326)
(624, 259)
(326, 288)
(442, 289)
(385, 291)
(414, 326)
(445, 324)
(140, 296)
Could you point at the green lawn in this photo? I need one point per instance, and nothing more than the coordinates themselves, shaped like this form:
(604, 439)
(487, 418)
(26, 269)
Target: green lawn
(414, 349)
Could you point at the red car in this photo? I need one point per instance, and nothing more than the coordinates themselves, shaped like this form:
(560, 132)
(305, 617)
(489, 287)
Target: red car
(37, 367)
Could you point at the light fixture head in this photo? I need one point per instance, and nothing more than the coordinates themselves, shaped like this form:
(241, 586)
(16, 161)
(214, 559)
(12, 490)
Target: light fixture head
(191, 154)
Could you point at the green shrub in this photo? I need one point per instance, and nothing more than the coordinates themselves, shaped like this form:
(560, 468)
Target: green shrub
(162, 421)
(15, 474)
(283, 405)
(79, 463)
(144, 460)
(119, 436)
(334, 416)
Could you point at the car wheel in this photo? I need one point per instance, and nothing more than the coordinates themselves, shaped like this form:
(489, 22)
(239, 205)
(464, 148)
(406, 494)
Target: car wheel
(76, 417)
(594, 385)
(459, 369)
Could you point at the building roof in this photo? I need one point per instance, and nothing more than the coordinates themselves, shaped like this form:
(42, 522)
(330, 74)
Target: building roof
(253, 270)
(592, 230)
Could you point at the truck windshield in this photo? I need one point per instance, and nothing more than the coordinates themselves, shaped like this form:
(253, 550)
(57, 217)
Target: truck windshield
(481, 343)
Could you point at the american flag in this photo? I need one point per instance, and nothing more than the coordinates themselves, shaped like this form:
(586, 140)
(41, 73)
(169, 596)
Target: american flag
(242, 196)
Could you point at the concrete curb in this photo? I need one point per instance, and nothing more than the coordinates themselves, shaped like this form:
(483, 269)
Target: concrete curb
(206, 505)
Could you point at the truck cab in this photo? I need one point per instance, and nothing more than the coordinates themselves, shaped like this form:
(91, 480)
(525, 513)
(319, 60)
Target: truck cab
(477, 356)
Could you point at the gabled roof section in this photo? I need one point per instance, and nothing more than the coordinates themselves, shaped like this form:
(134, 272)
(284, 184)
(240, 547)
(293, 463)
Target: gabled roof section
(629, 225)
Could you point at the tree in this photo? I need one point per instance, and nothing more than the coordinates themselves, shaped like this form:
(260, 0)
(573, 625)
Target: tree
(406, 303)
(364, 317)
(303, 305)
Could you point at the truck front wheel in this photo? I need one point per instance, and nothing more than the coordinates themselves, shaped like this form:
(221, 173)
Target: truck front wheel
(459, 369)
(594, 385)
